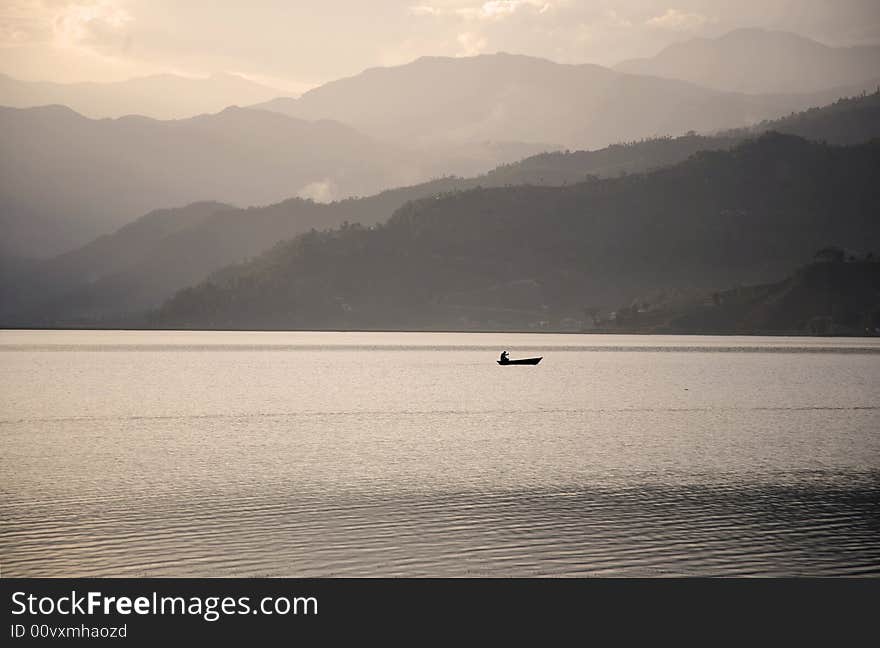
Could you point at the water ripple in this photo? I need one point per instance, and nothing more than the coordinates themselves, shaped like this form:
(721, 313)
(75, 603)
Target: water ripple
(433, 412)
(810, 527)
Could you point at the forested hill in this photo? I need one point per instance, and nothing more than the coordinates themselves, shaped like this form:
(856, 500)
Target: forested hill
(850, 120)
(513, 257)
(827, 297)
(122, 274)
(142, 264)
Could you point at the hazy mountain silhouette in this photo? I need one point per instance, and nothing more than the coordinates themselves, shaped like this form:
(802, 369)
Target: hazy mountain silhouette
(147, 261)
(163, 96)
(74, 281)
(851, 120)
(506, 97)
(516, 256)
(65, 178)
(762, 61)
(822, 298)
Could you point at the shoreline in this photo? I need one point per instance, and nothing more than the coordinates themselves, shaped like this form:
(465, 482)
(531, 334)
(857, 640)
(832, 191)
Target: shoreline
(721, 333)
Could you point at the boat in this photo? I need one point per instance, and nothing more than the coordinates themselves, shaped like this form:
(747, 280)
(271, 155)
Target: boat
(523, 361)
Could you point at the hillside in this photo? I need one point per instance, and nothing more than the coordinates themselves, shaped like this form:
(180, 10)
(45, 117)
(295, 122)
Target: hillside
(436, 101)
(121, 273)
(849, 120)
(65, 179)
(145, 262)
(762, 61)
(822, 298)
(162, 96)
(517, 256)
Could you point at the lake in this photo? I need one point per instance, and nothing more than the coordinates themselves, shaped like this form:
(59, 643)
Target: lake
(128, 453)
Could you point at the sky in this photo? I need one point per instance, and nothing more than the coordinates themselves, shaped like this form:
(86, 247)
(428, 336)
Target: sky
(297, 44)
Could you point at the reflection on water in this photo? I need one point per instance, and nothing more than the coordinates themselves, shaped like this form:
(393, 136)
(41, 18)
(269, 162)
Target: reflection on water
(268, 454)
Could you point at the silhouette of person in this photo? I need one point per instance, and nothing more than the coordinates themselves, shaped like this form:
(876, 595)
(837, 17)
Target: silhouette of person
(504, 357)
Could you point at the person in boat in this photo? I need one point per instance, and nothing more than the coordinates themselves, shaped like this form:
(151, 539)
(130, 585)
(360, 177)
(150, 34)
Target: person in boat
(504, 357)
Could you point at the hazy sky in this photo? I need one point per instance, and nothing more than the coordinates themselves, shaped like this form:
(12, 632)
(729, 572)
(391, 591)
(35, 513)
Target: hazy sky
(296, 44)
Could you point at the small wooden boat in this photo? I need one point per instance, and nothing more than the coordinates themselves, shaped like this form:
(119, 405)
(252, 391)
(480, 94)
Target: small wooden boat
(524, 361)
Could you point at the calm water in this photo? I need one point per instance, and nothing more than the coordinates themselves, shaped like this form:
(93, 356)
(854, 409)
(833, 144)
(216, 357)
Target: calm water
(367, 454)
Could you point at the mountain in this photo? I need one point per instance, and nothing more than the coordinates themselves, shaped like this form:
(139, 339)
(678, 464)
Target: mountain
(69, 280)
(762, 61)
(849, 120)
(437, 101)
(65, 179)
(145, 262)
(825, 297)
(163, 96)
(527, 256)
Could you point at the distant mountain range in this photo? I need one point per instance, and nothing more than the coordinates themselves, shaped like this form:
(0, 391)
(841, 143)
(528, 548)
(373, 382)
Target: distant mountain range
(140, 265)
(436, 101)
(477, 97)
(514, 257)
(163, 96)
(762, 61)
(65, 179)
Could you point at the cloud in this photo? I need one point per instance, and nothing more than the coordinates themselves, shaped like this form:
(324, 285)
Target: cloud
(320, 191)
(24, 22)
(83, 22)
(615, 19)
(676, 20)
(475, 25)
(500, 9)
(60, 23)
(487, 11)
(308, 42)
(425, 10)
(69, 40)
(471, 44)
